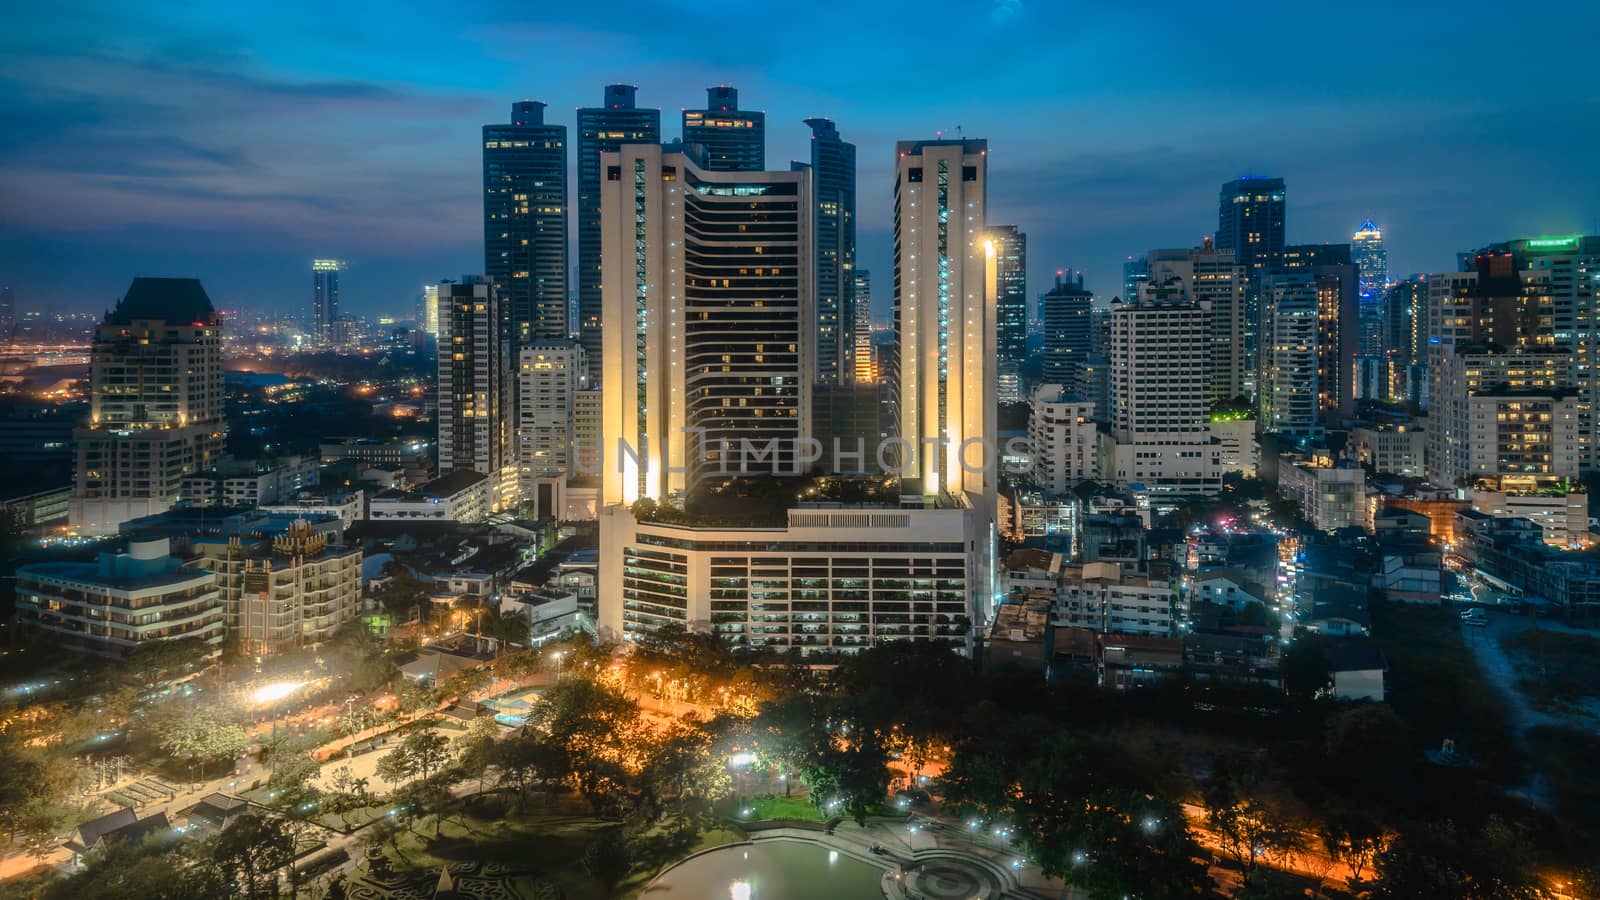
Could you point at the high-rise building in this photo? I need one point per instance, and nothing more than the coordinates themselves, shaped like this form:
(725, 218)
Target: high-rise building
(324, 298)
(1213, 276)
(833, 176)
(155, 404)
(1134, 272)
(1289, 386)
(707, 283)
(602, 129)
(525, 223)
(866, 366)
(944, 314)
(428, 309)
(735, 140)
(1161, 397)
(1250, 222)
(1011, 307)
(549, 376)
(1463, 370)
(477, 417)
(1371, 259)
(8, 312)
(1338, 322)
(285, 593)
(1067, 310)
(1063, 435)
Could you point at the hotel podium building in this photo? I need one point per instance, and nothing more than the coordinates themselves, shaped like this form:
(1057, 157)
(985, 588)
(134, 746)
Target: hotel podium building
(816, 575)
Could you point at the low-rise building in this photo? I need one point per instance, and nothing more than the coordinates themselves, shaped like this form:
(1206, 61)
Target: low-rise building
(1331, 497)
(119, 602)
(461, 496)
(1398, 448)
(1103, 597)
(1560, 509)
(1359, 669)
(236, 482)
(348, 505)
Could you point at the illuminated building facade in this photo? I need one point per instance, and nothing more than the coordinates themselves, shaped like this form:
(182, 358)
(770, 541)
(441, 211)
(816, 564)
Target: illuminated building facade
(1067, 313)
(602, 129)
(946, 282)
(866, 365)
(1011, 306)
(283, 594)
(1215, 277)
(324, 298)
(549, 376)
(1371, 260)
(477, 415)
(1288, 386)
(1161, 397)
(833, 173)
(735, 140)
(708, 336)
(525, 223)
(155, 404)
(119, 602)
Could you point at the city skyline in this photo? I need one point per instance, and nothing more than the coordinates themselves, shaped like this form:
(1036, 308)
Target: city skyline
(316, 169)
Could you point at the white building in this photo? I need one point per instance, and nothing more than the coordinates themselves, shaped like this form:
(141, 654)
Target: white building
(944, 308)
(250, 483)
(1561, 512)
(708, 323)
(1161, 397)
(119, 602)
(1459, 373)
(349, 506)
(549, 375)
(1394, 448)
(461, 496)
(1529, 433)
(155, 404)
(1216, 278)
(1101, 597)
(1237, 450)
(1330, 496)
(290, 593)
(837, 578)
(1062, 430)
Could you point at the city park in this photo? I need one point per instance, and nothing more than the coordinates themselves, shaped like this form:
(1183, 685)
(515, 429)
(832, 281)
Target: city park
(680, 764)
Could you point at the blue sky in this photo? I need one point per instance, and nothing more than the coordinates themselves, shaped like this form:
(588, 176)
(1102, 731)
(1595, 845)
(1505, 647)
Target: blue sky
(237, 141)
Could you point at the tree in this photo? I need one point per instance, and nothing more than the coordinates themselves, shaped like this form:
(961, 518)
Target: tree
(201, 735)
(155, 663)
(25, 797)
(251, 849)
(1247, 817)
(475, 750)
(530, 759)
(1353, 838)
(1440, 862)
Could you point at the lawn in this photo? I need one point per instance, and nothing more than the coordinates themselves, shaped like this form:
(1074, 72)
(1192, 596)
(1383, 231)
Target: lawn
(548, 838)
(1559, 671)
(1435, 685)
(784, 808)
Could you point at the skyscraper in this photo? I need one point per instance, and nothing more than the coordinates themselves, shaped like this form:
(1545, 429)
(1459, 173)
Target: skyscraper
(549, 377)
(525, 223)
(602, 129)
(1011, 307)
(155, 404)
(1161, 397)
(1215, 277)
(833, 173)
(8, 312)
(1289, 374)
(1067, 310)
(708, 335)
(1250, 216)
(946, 276)
(735, 140)
(1371, 259)
(324, 298)
(428, 314)
(1134, 272)
(477, 418)
(866, 368)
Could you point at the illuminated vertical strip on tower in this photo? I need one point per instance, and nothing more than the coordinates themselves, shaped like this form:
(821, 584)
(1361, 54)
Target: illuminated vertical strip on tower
(641, 294)
(930, 464)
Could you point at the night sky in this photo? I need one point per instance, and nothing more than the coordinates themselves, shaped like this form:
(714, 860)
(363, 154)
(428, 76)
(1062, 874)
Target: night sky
(236, 143)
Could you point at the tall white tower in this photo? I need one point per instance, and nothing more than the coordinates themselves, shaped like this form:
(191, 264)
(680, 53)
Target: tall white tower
(944, 315)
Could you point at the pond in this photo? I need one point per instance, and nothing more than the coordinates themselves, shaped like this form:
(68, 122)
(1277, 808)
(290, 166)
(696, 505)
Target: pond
(775, 869)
